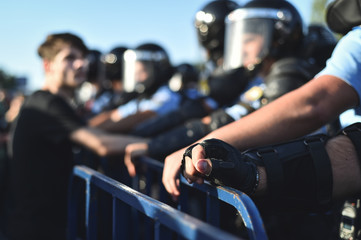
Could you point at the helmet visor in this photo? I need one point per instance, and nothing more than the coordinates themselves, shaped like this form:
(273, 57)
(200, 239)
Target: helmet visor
(248, 37)
(139, 69)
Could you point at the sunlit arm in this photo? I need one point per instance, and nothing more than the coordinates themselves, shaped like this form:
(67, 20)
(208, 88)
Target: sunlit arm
(102, 143)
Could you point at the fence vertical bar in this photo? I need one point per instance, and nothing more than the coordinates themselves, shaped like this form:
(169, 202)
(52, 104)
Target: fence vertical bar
(212, 210)
(91, 212)
(116, 221)
(73, 209)
(169, 218)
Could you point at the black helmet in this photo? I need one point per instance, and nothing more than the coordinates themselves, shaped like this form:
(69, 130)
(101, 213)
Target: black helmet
(113, 62)
(186, 76)
(275, 25)
(319, 44)
(343, 15)
(209, 22)
(95, 67)
(153, 62)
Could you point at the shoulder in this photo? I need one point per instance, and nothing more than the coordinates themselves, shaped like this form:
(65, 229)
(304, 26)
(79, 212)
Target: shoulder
(351, 42)
(41, 100)
(165, 92)
(345, 60)
(354, 33)
(292, 68)
(44, 97)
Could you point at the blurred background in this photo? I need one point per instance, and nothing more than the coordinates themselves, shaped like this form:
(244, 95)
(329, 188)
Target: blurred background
(103, 25)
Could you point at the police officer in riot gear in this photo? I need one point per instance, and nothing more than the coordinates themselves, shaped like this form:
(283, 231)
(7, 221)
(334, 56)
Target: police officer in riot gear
(147, 70)
(113, 62)
(111, 92)
(268, 37)
(210, 27)
(308, 173)
(277, 62)
(86, 93)
(214, 87)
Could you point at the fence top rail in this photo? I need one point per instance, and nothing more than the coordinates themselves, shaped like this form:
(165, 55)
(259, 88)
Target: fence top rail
(184, 224)
(240, 201)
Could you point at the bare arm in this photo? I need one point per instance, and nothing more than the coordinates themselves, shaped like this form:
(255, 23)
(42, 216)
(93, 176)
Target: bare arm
(293, 115)
(102, 143)
(296, 114)
(112, 122)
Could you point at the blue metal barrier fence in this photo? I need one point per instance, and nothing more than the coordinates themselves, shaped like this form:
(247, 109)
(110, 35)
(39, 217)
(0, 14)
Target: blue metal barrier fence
(164, 217)
(214, 195)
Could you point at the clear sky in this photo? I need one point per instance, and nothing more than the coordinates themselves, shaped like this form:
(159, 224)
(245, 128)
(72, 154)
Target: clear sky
(103, 25)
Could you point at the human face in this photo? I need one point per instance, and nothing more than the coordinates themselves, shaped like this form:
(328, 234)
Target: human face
(68, 68)
(141, 73)
(253, 45)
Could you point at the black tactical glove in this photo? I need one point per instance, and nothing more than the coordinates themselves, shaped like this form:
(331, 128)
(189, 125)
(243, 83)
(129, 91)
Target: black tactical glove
(229, 166)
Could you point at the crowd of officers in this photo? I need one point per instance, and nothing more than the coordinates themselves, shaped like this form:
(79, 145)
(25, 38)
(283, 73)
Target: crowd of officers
(207, 121)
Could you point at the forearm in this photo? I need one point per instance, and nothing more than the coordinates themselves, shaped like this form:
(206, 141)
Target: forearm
(126, 124)
(293, 115)
(102, 143)
(345, 169)
(268, 125)
(116, 144)
(99, 119)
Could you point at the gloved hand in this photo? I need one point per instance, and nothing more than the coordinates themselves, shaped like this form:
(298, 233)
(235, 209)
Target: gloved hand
(229, 166)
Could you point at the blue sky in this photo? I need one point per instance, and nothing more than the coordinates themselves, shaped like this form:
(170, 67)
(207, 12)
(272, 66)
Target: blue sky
(103, 25)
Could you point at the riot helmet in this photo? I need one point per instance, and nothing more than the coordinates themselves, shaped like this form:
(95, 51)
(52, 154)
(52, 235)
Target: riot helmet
(262, 29)
(113, 62)
(343, 15)
(186, 76)
(319, 44)
(95, 66)
(209, 23)
(146, 68)
(95, 76)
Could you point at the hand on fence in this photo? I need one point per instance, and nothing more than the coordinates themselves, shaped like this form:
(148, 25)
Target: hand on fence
(220, 163)
(195, 166)
(132, 152)
(171, 170)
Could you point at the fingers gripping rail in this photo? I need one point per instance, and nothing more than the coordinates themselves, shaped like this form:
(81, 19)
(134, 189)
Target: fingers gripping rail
(299, 174)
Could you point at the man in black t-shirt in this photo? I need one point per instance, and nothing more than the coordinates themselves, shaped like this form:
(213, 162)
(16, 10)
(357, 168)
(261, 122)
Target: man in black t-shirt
(41, 144)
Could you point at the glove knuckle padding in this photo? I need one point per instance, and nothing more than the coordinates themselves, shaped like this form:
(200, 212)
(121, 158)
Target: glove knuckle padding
(229, 167)
(223, 158)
